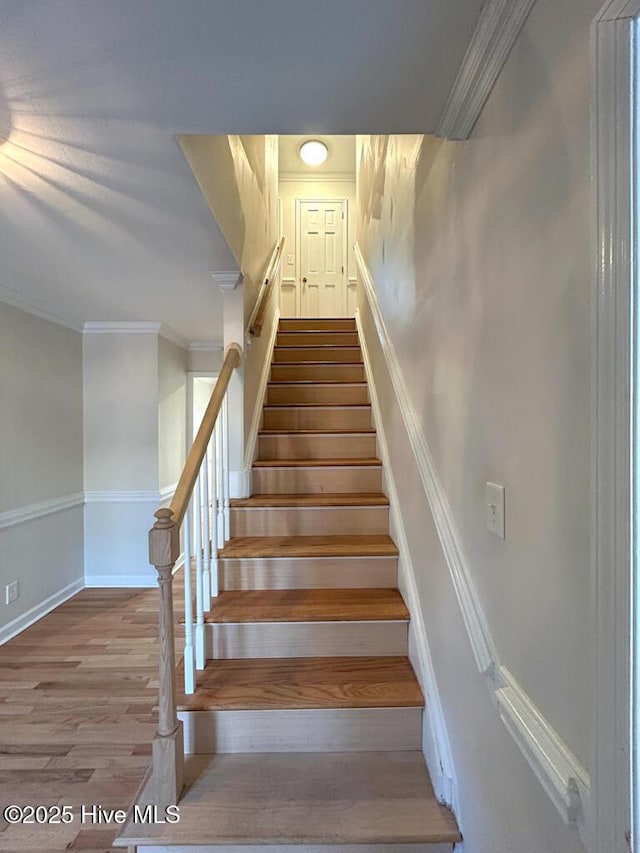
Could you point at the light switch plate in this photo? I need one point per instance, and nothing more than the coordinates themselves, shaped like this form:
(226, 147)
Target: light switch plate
(494, 506)
(290, 260)
(11, 592)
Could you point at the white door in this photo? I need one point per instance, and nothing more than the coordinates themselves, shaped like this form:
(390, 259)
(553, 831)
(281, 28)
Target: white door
(322, 227)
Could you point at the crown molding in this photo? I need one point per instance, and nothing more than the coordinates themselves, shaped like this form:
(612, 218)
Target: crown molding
(320, 178)
(15, 300)
(136, 328)
(495, 34)
(227, 280)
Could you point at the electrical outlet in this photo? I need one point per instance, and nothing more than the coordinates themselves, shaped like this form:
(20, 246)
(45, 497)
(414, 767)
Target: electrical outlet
(12, 591)
(494, 508)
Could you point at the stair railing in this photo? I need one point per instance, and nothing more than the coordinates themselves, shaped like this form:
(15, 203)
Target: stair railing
(256, 321)
(200, 508)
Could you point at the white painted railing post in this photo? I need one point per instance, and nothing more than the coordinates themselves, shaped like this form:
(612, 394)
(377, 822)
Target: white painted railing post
(200, 656)
(168, 749)
(225, 467)
(220, 478)
(189, 652)
(214, 516)
(206, 545)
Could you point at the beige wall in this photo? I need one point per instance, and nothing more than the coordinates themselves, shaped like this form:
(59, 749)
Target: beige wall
(289, 191)
(481, 256)
(40, 458)
(172, 412)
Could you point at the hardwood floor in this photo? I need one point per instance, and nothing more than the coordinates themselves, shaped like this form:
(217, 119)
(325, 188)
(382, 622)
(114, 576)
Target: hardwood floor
(77, 697)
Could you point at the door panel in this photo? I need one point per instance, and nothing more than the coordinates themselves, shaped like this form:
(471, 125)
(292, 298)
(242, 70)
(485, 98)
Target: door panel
(322, 243)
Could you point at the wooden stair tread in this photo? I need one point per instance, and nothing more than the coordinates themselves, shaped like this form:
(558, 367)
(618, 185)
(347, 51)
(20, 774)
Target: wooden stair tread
(318, 463)
(317, 406)
(311, 500)
(373, 545)
(316, 363)
(300, 798)
(308, 605)
(363, 430)
(304, 683)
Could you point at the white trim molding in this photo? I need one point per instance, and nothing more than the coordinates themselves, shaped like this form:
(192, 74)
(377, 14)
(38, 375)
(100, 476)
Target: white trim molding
(122, 496)
(21, 623)
(495, 34)
(136, 328)
(29, 306)
(10, 517)
(531, 732)
(205, 346)
(435, 746)
(614, 133)
(261, 394)
(227, 280)
(558, 770)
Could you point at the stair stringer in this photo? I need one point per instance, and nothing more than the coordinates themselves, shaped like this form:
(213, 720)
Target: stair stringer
(435, 739)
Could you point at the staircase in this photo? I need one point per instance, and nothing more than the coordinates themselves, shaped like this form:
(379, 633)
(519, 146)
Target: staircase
(305, 728)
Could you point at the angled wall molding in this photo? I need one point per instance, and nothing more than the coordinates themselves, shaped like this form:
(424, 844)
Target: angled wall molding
(22, 514)
(436, 746)
(30, 306)
(562, 776)
(227, 280)
(497, 29)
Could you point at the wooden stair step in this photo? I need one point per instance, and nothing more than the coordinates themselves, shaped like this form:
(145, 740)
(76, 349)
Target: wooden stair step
(317, 338)
(308, 605)
(312, 500)
(310, 371)
(304, 354)
(328, 324)
(374, 545)
(293, 417)
(317, 463)
(314, 393)
(357, 431)
(287, 683)
(299, 799)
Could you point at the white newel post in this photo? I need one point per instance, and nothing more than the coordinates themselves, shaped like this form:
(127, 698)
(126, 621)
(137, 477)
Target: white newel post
(168, 749)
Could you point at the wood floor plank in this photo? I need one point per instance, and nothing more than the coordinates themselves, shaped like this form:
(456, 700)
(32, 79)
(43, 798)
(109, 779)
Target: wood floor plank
(362, 682)
(339, 499)
(307, 605)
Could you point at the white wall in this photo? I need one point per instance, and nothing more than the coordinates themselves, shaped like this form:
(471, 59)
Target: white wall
(172, 412)
(40, 464)
(289, 191)
(121, 456)
(481, 257)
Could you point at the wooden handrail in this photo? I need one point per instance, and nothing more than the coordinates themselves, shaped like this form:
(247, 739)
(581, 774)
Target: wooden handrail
(257, 318)
(182, 496)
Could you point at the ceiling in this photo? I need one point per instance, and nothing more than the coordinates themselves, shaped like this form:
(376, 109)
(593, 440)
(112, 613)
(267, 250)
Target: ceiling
(100, 216)
(340, 160)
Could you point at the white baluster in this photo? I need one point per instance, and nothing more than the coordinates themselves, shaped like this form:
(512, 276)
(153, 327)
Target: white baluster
(200, 656)
(219, 474)
(214, 516)
(204, 509)
(225, 466)
(189, 654)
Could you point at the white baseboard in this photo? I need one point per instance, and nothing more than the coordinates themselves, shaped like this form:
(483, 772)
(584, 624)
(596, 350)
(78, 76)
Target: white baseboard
(435, 744)
(562, 776)
(20, 623)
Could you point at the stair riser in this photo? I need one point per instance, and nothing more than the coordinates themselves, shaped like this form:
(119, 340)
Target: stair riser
(289, 481)
(309, 521)
(306, 339)
(336, 324)
(305, 639)
(333, 730)
(311, 418)
(335, 395)
(317, 372)
(309, 573)
(297, 848)
(341, 446)
(341, 355)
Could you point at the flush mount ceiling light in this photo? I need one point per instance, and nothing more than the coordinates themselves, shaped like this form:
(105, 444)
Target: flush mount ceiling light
(313, 152)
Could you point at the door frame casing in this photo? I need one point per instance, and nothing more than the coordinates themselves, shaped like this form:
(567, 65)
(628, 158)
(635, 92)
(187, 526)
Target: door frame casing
(615, 393)
(345, 233)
